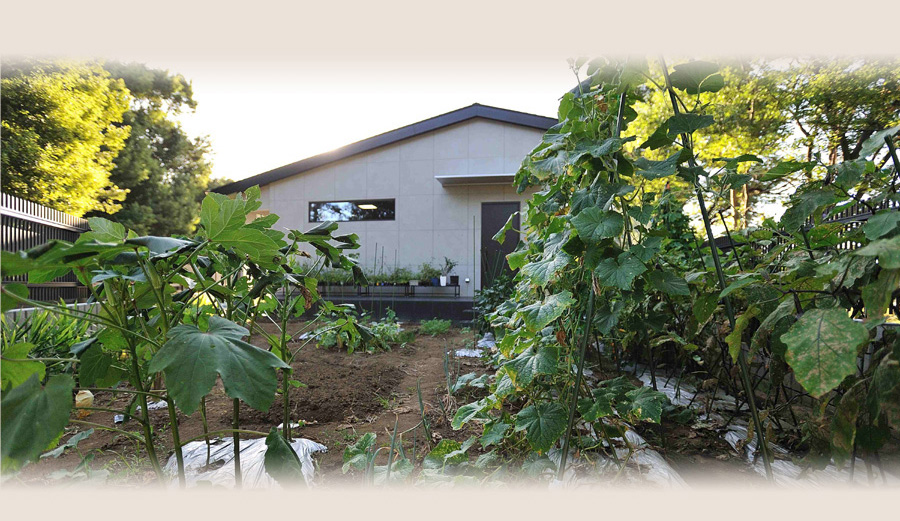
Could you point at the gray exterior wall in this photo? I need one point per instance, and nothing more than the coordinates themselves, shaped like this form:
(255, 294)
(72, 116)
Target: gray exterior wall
(432, 221)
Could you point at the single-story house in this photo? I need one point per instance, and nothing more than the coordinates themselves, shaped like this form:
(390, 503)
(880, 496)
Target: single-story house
(437, 188)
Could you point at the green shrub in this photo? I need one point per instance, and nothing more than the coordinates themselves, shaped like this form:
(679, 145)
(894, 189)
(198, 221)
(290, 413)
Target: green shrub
(52, 334)
(351, 332)
(434, 327)
(488, 299)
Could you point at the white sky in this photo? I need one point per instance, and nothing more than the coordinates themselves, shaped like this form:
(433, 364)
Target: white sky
(279, 81)
(260, 116)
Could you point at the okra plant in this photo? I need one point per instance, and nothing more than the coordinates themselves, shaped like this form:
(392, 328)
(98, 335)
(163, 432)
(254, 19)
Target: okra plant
(172, 315)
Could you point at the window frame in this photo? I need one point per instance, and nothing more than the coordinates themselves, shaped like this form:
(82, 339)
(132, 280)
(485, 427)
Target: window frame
(357, 202)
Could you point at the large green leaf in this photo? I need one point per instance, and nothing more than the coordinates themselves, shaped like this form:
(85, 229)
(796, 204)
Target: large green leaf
(803, 206)
(696, 77)
(669, 283)
(877, 295)
(738, 284)
(356, 455)
(822, 348)
(884, 392)
(881, 224)
(647, 404)
(784, 311)
(887, 251)
(469, 411)
(593, 224)
(160, 246)
(620, 272)
(539, 314)
(732, 162)
(705, 306)
(553, 165)
(544, 271)
(32, 417)
(517, 259)
(593, 149)
(687, 124)
(15, 289)
(785, 168)
(657, 169)
(223, 220)
(17, 368)
(493, 434)
(220, 214)
(281, 462)
(103, 230)
(97, 369)
(607, 316)
(500, 236)
(599, 405)
(523, 368)
(447, 452)
(660, 138)
(543, 424)
(192, 358)
(734, 338)
(876, 141)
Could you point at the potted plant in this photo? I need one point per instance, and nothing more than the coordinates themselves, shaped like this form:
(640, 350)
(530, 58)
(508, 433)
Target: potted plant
(449, 264)
(430, 273)
(402, 276)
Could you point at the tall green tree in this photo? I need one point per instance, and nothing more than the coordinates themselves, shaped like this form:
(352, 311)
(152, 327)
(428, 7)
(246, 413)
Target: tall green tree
(165, 171)
(783, 109)
(62, 127)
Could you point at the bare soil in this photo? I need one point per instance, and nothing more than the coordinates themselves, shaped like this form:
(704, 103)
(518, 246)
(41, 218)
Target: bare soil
(343, 396)
(346, 395)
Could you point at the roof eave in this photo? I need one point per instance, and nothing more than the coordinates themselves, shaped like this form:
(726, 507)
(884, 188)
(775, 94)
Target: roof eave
(444, 120)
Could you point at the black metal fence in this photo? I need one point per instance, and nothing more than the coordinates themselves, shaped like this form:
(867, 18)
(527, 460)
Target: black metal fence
(26, 225)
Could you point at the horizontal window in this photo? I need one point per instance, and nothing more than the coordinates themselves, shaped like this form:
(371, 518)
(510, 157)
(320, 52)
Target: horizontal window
(343, 211)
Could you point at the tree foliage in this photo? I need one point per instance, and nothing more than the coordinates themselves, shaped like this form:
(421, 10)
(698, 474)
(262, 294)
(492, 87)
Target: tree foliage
(779, 109)
(62, 127)
(103, 139)
(165, 171)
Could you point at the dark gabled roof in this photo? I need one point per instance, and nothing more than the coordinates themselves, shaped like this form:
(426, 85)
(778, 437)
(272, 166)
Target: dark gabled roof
(444, 120)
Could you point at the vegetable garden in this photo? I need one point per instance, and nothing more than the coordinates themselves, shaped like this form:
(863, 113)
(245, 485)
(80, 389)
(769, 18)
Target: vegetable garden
(620, 320)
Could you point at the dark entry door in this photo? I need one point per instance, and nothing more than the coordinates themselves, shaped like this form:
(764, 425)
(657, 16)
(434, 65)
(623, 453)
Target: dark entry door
(493, 254)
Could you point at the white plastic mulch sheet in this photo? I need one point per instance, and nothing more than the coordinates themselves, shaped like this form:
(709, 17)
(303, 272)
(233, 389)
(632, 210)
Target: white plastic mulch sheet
(785, 471)
(644, 466)
(486, 342)
(220, 471)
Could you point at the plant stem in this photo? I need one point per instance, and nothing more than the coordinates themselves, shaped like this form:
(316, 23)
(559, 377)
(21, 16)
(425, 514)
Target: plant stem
(733, 245)
(176, 440)
(578, 375)
(893, 153)
(742, 360)
(285, 373)
(236, 425)
(205, 428)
